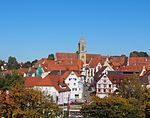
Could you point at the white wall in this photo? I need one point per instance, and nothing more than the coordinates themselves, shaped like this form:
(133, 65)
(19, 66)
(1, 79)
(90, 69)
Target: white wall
(60, 98)
(103, 87)
(76, 86)
(63, 97)
(49, 90)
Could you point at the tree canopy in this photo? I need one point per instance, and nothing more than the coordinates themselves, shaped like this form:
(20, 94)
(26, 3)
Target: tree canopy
(132, 100)
(51, 57)
(138, 54)
(112, 107)
(26, 103)
(16, 101)
(27, 64)
(9, 80)
(12, 63)
(132, 87)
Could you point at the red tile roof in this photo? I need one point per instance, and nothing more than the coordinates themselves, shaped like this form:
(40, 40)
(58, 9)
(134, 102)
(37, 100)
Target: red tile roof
(133, 68)
(32, 81)
(44, 61)
(117, 78)
(139, 61)
(92, 56)
(94, 62)
(67, 73)
(20, 71)
(69, 56)
(66, 56)
(118, 61)
(50, 80)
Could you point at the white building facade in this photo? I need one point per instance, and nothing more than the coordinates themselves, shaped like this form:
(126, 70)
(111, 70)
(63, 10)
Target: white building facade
(76, 85)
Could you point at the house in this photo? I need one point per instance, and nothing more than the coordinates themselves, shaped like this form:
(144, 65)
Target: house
(92, 68)
(75, 83)
(108, 84)
(51, 85)
(103, 70)
(104, 86)
(94, 65)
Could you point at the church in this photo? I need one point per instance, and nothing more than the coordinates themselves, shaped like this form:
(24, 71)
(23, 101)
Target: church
(81, 54)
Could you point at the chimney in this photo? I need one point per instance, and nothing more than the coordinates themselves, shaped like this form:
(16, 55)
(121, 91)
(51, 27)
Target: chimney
(60, 72)
(58, 83)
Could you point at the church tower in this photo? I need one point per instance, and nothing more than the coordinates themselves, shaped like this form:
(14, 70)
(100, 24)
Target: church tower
(82, 50)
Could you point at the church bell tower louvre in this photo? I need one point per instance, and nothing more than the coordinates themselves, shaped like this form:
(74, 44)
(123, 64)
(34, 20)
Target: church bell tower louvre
(82, 50)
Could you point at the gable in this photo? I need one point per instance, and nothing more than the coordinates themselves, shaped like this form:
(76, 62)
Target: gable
(104, 80)
(72, 75)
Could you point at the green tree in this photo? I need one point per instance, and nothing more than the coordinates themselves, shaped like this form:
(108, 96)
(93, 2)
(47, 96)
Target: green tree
(51, 57)
(33, 62)
(27, 64)
(132, 87)
(112, 107)
(147, 109)
(12, 63)
(138, 54)
(9, 80)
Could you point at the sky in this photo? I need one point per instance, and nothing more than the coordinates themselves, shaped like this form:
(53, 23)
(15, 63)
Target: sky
(32, 29)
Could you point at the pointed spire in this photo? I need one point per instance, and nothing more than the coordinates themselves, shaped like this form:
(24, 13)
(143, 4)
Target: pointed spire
(82, 38)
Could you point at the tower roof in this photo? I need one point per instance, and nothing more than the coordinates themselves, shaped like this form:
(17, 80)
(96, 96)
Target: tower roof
(82, 39)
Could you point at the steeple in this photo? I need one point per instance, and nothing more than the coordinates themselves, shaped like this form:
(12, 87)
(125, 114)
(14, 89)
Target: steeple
(82, 49)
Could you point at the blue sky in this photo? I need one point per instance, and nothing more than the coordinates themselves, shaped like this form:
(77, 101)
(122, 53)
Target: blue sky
(32, 29)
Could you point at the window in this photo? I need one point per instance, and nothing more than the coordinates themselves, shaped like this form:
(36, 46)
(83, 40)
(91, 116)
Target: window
(104, 81)
(99, 85)
(105, 85)
(99, 90)
(110, 85)
(104, 76)
(74, 89)
(69, 79)
(74, 84)
(75, 79)
(76, 95)
(109, 90)
(104, 90)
